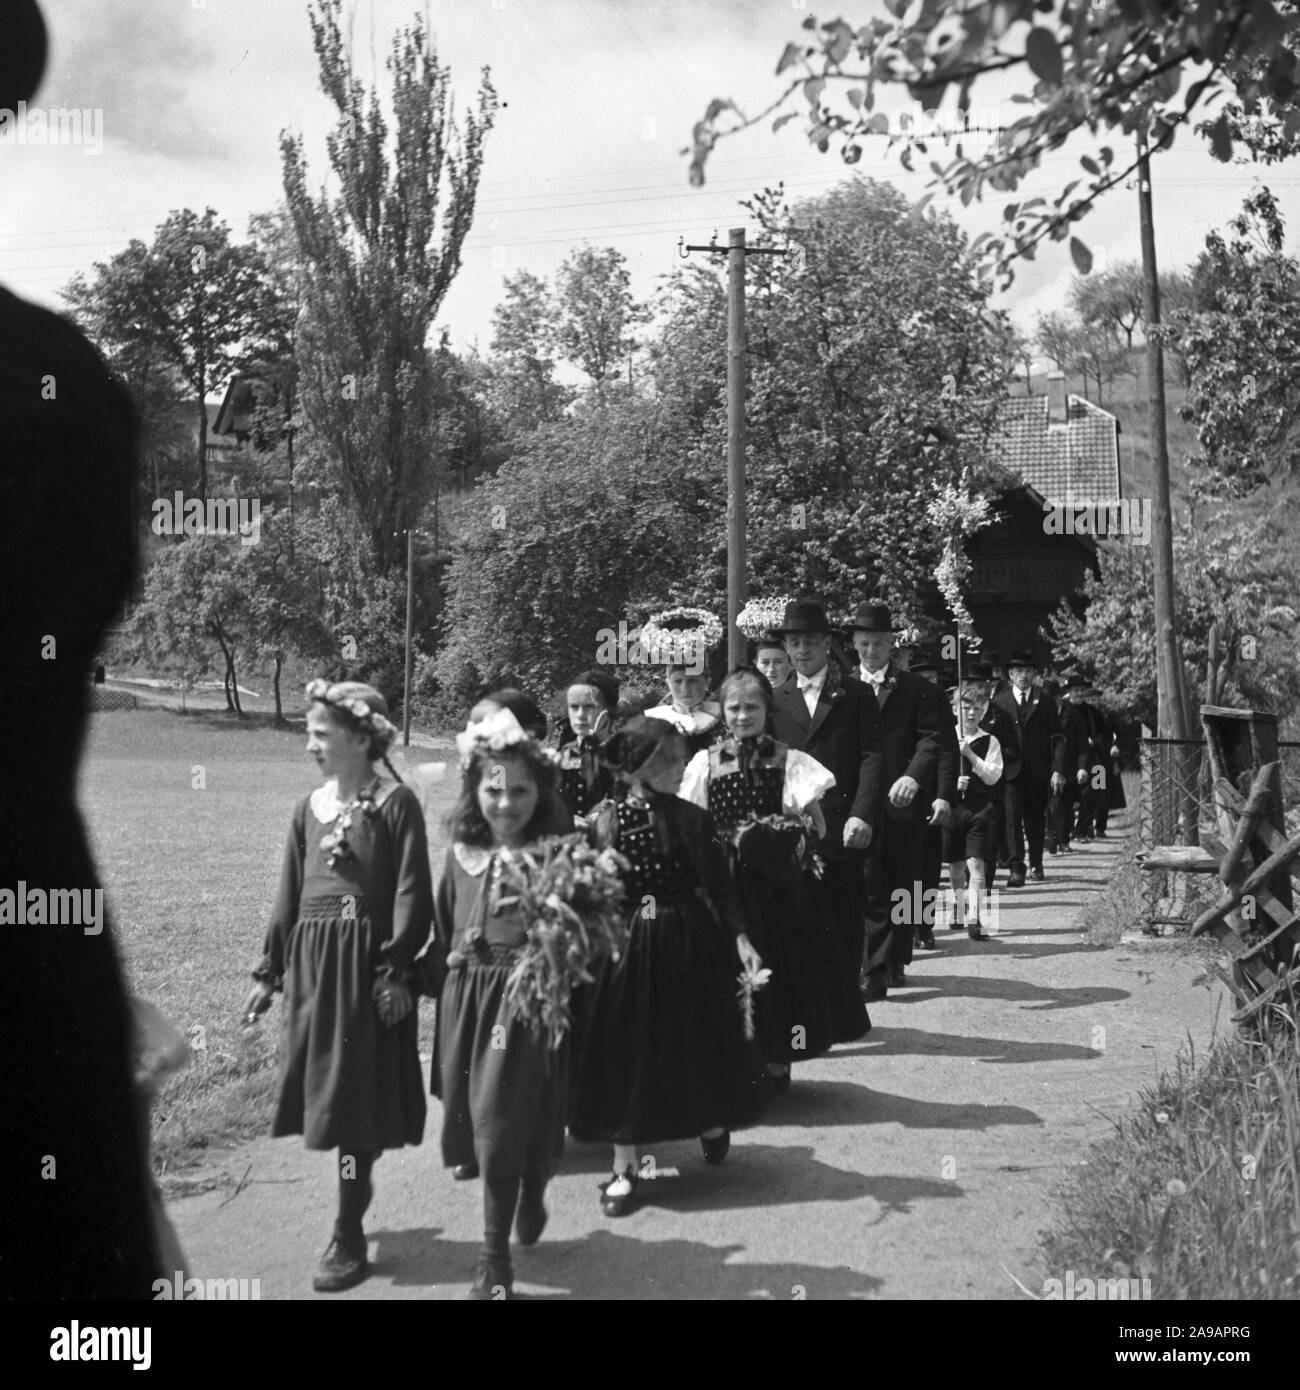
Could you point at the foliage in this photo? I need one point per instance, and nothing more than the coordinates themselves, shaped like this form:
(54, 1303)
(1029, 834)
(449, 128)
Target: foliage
(1237, 566)
(377, 262)
(189, 306)
(1242, 349)
(1087, 65)
(597, 312)
(525, 333)
(1092, 350)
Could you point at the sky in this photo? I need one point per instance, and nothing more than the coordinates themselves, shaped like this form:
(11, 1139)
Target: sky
(599, 97)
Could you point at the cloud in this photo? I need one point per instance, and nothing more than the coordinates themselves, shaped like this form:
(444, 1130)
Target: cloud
(140, 63)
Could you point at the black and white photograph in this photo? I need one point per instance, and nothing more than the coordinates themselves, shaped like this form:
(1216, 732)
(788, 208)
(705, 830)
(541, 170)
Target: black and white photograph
(651, 653)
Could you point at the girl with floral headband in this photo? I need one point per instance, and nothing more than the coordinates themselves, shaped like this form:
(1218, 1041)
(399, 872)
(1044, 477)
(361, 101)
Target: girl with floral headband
(502, 1088)
(352, 912)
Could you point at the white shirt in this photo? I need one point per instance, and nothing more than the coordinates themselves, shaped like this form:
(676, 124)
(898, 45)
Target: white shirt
(875, 679)
(810, 687)
(1021, 695)
(988, 768)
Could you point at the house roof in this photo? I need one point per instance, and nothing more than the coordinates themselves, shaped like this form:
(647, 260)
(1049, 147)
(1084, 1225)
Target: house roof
(1078, 461)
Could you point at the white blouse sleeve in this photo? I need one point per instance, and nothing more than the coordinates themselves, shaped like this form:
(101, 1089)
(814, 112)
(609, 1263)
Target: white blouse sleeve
(989, 768)
(806, 781)
(695, 780)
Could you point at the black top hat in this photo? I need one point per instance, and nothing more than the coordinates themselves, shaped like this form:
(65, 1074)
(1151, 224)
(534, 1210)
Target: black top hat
(22, 55)
(803, 615)
(1051, 687)
(1022, 659)
(872, 616)
(1077, 682)
(976, 672)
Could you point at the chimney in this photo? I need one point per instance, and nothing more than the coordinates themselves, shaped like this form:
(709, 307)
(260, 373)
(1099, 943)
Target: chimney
(1056, 414)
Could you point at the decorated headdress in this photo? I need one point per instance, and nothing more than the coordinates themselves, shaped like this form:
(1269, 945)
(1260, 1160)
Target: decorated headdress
(362, 704)
(498, 732)
(760, 616)
(680, 637)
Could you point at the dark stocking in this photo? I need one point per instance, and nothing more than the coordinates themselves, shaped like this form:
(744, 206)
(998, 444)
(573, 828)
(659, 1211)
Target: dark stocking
(354, 1191)
(500, 1197)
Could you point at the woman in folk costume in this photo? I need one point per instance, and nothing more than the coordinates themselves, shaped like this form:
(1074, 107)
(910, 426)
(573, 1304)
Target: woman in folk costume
(352, 912)
(591, 704)
(749, 782)
(680, 639)
(660, 1043)
(502, 1087)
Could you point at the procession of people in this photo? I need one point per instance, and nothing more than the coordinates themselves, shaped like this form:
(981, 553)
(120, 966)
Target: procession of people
(785, 831)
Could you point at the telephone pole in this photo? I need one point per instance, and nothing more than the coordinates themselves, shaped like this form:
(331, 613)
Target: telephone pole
(1172, 709)
(736, 252)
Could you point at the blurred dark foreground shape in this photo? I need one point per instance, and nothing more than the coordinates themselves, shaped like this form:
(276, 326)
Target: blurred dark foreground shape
(75, 1218)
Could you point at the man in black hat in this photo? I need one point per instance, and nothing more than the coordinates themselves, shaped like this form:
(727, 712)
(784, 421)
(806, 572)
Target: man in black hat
(917, 729)
(833, 718)
(1040, 769)
(1076, 732)
(74, 1175)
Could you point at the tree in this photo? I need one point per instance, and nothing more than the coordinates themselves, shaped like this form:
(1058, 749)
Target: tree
(597, 312)
(1240, 342)
(1118, 65)
(378, 261)
(525, 334)
(1111, 297)
(193, 303)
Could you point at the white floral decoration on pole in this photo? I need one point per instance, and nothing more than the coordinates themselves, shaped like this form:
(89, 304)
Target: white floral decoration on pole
(958, 513)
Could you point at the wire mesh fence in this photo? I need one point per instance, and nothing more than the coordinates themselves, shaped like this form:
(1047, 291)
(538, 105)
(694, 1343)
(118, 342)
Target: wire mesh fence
(1177, 807)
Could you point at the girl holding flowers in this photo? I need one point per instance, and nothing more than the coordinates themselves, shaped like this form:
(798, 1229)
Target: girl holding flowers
(763, 796)
(352, 911)
(661, 1050)
(502, 1085)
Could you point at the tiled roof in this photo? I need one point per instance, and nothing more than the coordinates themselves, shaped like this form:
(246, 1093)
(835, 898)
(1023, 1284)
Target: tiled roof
(1079, 461)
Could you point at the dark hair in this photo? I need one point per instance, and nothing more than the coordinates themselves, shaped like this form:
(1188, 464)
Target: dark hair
(633, 746)
(466, 823)
(376, 746)
(605, 685)
(769, 641)
(755, 677)
(524, 708)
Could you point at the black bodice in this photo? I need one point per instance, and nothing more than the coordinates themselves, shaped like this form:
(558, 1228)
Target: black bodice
(745, 781)
(652, 869)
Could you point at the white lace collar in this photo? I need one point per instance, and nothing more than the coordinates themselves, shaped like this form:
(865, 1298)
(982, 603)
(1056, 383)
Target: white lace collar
(474, 859)
(325, 803)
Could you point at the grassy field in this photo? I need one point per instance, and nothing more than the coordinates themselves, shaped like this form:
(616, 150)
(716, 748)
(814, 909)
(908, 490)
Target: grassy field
(188, 815)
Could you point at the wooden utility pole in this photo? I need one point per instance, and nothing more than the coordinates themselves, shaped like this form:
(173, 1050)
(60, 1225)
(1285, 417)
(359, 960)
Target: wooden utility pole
(737, 646)
(410, 630)
(1172, 710)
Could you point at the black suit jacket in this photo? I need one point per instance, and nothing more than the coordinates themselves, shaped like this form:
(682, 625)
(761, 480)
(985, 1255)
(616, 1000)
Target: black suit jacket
(1042, 749)
(844, 735)
(1077, 736)
(1005, 728)
(917, 730)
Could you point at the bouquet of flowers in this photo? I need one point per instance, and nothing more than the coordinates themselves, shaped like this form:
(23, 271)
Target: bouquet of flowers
(750, 983)
(571, 896)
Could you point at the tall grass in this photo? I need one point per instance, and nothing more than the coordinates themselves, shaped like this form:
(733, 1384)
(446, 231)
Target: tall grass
(1200, 1189)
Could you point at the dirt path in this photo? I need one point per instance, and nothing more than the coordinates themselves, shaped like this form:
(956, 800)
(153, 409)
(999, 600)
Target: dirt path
(916, 1164)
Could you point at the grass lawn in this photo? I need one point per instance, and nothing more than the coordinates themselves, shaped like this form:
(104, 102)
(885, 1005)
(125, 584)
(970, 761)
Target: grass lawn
(189, 873)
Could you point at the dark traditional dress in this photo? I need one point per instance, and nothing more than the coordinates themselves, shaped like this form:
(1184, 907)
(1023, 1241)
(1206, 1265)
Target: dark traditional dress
(660, 1046)
(347, 1080)
(583, 782)
(811, 1001)
(502, 1087)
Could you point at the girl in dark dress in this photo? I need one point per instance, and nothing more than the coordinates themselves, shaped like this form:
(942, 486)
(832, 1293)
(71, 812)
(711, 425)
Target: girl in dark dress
(352, 912)
(804, 1009)
(502, 1087)
(591, 702)
(661, 1052)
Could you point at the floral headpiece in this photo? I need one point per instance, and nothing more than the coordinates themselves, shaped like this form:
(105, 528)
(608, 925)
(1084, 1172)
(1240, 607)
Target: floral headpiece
(341, 697)
(679, 637)
(760, 615)
(495, 733)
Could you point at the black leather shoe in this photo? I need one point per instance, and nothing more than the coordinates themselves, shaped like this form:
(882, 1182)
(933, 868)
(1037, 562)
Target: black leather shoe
(530, 1221)
(926, 942)
(462, 1172)
(896, 979)
(1016, 880)
(976, 933)
(619, 1204)
(493, 1283)
(1036, 875)
(873, 989)
(715, 1150)
(343, 1265)
(780, 1081)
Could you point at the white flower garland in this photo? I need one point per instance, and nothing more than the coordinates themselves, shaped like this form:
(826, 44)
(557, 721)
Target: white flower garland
(683, 645)
(957, 513)
(760, 615)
